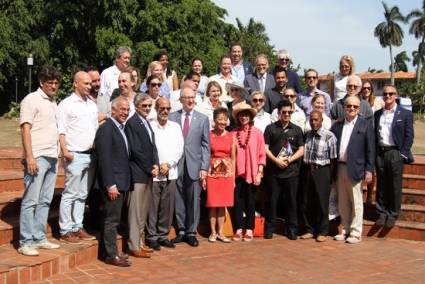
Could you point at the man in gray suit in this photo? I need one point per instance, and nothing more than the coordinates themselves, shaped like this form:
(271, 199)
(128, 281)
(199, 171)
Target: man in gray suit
(260, 80)
(192, 167)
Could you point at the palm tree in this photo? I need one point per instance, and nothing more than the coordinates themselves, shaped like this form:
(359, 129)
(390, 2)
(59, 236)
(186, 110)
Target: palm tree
(389, 32)
(417, 28)
(400, 62)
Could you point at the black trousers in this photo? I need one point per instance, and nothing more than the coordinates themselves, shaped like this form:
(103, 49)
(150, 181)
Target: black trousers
(244, 202)
(288, 187)
(111, 220)
(389, 174)
(315, 200)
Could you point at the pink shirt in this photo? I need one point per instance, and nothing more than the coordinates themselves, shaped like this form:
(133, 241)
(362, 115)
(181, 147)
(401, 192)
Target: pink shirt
(248, 159)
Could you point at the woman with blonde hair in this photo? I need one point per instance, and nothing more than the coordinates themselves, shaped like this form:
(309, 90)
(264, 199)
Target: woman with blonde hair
(346, 68)
(155, 68)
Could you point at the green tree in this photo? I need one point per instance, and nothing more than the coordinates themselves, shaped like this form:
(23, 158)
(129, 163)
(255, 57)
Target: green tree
(389, 32)
(417, 28)
(400, 62)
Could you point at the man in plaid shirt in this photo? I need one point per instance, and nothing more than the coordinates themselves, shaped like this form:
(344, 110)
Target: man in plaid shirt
(320, 153)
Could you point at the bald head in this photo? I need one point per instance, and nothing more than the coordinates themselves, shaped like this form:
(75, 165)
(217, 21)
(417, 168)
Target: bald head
(82, 84)
(187, 98)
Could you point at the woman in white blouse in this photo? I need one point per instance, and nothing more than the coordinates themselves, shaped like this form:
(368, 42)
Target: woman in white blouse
(211, 102)
(262, 119)
(318, 103)
(346, 68)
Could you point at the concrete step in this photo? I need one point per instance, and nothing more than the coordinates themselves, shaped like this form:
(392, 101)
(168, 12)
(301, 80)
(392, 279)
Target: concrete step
(12, 180)
(413, 181)
(413, 196)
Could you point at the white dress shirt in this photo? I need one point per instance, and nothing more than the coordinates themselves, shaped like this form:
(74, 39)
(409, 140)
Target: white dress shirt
(169, 144)
(262, 81)
(340, 87)
(385, 123)
(225, 97)
(261, 120)
(77, 120)
(183, 117)
(326, 124)
(206, 108)
(297, 117)
(347, 130)
(108, 83)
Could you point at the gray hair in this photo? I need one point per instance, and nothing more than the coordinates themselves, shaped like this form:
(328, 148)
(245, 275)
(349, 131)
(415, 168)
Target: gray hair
(261, 56)
(258, 93)
(116, 101)
(139, 98)
(283, 53)
(121, 50)
(356, 78)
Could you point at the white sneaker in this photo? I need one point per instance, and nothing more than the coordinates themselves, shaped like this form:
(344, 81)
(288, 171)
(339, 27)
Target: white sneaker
(340, 237)
(28, 250)
(354, 240)
(46, 245)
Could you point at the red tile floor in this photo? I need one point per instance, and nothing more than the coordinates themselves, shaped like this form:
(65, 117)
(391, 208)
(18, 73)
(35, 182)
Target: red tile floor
(267, 261)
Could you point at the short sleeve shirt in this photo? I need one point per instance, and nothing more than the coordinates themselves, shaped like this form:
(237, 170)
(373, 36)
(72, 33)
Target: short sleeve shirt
(40, 111)
(286, 140)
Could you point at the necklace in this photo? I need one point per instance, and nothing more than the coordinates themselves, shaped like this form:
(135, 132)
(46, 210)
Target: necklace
(238, 136)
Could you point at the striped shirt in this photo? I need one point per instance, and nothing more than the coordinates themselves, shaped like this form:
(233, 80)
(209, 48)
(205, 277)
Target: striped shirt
(320, 147)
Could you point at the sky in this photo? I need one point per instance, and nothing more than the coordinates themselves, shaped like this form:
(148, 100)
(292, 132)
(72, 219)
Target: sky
(318, 33)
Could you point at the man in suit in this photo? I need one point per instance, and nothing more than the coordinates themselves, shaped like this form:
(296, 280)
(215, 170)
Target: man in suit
(261, 80)
(356, 154)
(112, 149)
(192, 167)
(144, 166)
(394, 138)
(240, 67)
(274, 95)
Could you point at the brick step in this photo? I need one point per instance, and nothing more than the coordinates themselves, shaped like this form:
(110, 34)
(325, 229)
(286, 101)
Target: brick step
(412, 212)
(413, 196)
(12, 180)
(10, 158)
(408, 230)
(16, 268)
(416, 168)
(413, 181)
(10, 202)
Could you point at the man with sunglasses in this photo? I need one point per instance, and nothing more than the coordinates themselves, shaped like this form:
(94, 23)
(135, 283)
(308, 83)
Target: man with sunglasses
(144, 166)
(356, 155)
(354, 87)
(284, 61)
(304, 99)
(394, 138)
(164, 185)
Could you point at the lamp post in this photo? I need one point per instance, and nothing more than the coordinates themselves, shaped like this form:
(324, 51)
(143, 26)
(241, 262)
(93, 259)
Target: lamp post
(16, 89)
(30, 63)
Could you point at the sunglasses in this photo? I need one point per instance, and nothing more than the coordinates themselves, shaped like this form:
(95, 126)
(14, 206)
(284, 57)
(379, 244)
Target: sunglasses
(284, 59)
(352, 86)
(164, 108)
(286, 112)
(291, 96)
(352, 106)
(155, 84)
(388, 94)
(146, 105)
(367, 88)
(234, 89)
(311, 78)
(258, 100)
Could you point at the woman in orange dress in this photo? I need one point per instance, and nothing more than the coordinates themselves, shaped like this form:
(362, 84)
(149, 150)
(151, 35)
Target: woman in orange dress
(220, 180)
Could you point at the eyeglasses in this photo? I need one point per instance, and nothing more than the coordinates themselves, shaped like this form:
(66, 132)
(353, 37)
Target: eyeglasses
(164, 108)
(367, 88)
(234, 89)
(257, 100)
(352, 106)
(146, 105)
(311, 78)
(155, 84)
(290, 96)
(352, 86)
(286, 112)
(284, 59)
(388, 94)
(188, 98)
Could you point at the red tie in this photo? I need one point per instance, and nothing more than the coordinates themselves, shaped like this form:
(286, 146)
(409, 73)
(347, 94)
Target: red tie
(186, 125)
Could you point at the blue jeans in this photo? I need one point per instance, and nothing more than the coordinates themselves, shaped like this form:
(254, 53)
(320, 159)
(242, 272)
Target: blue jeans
(35, 204)
(78, 177)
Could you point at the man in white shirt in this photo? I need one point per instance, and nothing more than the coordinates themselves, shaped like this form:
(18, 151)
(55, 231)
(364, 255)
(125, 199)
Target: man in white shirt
(164, 185)
(77, 123)
(109, 77)
(225, 76)
(356, 156)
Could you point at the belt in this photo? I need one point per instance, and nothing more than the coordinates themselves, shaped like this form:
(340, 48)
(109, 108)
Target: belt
(387, 148)
(316, 166)
(89, 151)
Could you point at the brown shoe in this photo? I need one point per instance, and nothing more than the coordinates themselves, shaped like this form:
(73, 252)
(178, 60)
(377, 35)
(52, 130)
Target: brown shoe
(307, 236)
(321, 239)
(147, 249)
(117, 261)
(83, 235)
(140, 253)
(71, 238)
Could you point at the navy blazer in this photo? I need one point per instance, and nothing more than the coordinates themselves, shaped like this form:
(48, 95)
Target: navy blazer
(360, 149)
(143, 154)
(293, 81)
(402, 131)
(112, 157)
(251, 82)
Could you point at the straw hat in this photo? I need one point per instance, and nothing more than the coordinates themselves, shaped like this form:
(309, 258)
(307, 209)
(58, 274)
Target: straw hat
(243, 107)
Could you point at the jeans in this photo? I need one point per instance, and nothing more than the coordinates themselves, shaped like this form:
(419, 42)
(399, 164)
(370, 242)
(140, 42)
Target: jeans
(78, 177)
(35, 204)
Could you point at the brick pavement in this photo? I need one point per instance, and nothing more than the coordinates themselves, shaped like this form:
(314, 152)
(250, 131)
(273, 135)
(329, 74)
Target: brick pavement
(267, 261)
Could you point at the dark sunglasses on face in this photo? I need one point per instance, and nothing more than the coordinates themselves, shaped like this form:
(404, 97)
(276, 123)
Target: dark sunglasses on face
(258, 100)
(286, 112)
(311, 78)
(164, 108)
(388, 94)
(367, 88)
(155, 84)
(234, 89)
(352, 106)
(352, 86)
(291, 96)
(284, 59)
(146, 105)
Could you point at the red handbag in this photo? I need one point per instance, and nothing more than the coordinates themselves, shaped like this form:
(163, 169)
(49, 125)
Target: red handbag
(259, 226)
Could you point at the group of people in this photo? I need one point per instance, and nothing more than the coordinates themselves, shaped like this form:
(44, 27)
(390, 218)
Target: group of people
(152, 147)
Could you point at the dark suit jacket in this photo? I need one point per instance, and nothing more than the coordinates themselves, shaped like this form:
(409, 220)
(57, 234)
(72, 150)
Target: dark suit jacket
(337, 110)
(294, 81)
(143, 154)
(112, 157)
(360, 149)
(272, 99)
(402, 131)
(251, 82)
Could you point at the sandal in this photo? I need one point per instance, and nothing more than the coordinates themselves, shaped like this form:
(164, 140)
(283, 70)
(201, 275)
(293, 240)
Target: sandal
(238, 235)
(248, 236)
(212, 238)
(223, 239)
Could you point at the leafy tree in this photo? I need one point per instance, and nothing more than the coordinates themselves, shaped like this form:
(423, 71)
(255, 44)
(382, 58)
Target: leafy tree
(417, 28)
(389, 32)
(400, 62)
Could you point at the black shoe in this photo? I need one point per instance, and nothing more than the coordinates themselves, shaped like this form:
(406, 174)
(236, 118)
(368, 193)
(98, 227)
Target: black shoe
(155, 245)
(178, 239)
(390, 222)
(192, 241)
(167, 243)
(268, 235)
(381, 220)
(291, 235)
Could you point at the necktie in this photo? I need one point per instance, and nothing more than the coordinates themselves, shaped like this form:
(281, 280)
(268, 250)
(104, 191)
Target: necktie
(147, 126)
(186, 125)
(121, 127)
(262, 84)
